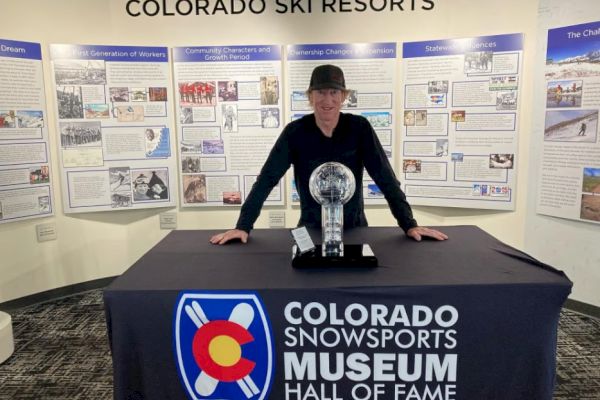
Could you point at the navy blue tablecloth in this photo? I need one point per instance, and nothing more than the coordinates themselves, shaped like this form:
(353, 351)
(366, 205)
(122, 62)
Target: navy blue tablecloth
(467, 318)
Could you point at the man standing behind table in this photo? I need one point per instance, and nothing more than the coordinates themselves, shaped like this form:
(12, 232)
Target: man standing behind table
(327, 135)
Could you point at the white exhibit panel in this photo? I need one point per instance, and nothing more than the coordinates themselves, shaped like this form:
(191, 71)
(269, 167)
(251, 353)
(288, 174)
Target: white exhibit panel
(370, 73)
(460, 124)
(113, 127)
(569, 172)
(230, 113)
(25, 178)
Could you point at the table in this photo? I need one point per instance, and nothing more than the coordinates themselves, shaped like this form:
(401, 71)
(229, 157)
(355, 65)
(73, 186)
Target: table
(467, 318)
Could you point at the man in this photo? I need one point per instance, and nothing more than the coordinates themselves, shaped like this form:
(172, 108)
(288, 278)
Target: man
(327, 135)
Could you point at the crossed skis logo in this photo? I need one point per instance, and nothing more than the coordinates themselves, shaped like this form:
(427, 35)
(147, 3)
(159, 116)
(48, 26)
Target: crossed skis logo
(223, 346)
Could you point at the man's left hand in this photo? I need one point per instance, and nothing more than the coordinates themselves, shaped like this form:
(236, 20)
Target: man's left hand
(419, 232)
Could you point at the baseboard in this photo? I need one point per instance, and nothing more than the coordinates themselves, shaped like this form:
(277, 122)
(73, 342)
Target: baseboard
(582, 308)
(54, 294)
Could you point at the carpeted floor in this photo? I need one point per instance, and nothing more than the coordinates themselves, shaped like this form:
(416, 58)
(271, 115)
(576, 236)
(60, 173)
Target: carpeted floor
(62, 353)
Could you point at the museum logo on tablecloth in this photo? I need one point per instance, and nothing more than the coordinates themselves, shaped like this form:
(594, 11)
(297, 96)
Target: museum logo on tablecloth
(223, 345)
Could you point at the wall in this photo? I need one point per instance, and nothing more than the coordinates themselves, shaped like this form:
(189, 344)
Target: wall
(569, 245)
(96, 245)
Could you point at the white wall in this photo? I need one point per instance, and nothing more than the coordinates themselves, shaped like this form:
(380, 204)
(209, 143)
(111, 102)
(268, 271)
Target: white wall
(571, 246)
(97, 245)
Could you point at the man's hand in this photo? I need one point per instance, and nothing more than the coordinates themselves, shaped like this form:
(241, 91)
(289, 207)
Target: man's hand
(232, 234)
(419, 232)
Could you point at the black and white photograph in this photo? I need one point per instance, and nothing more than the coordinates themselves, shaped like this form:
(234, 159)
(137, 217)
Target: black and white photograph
(79, 72)
(409, 117)
(120, 200)
(194, 188)
(506, 100)
(441, 147)
(478, 62)
(69, 101)
(269, 117)
(561, 94)
(190, 147)
(80, 134)
(269, 90)
(420, 117)
(44, 204)
(190, 165)
(228, 91)
(138, 94)
(150, 185)
(571, 126)
(119, 179)
(229, 117)
(351, 100)
(502, 161)
(186, 116)
(119, 94)
(435, 87)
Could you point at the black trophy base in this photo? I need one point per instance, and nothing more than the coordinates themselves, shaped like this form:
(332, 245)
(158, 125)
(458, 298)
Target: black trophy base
(355, 255)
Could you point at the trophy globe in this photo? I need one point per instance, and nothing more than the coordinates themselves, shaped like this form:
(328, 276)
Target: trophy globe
(332, 184)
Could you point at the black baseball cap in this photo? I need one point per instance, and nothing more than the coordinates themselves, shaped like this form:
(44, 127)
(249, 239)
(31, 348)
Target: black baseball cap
(327, 77)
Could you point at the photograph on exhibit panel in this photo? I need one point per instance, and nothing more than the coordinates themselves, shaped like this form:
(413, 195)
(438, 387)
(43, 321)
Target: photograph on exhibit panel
(590, 197)
(269, 90)
(150, 185)
(79, 72)
(571, 126)
(194, 188)
(70, 103)
(566, 93)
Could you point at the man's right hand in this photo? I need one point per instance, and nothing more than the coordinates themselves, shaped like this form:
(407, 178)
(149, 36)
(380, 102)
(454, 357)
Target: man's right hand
(232, 234)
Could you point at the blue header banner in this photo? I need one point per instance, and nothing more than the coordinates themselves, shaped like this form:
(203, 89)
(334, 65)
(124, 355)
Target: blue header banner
(340, 51)
(16, 49)
(109, 53)
(227, 53)
(575, 42)
(448, 47)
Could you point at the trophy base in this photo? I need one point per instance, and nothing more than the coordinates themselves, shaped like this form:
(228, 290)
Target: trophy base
(355, 255)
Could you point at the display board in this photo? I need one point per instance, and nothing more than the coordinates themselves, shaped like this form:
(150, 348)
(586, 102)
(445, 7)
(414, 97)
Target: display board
(461, 121)
(569, 172)
(369, 69)
(114, 139)
(230, 114)
(25, 178)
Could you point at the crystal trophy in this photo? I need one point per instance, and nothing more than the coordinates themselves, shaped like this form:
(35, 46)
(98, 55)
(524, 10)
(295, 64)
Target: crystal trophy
(332, 184)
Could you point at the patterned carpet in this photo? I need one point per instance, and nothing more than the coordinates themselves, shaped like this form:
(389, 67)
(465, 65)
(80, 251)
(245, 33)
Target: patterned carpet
(62, 353)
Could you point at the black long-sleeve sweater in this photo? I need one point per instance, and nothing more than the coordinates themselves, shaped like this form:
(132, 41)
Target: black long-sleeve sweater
(354, 144)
